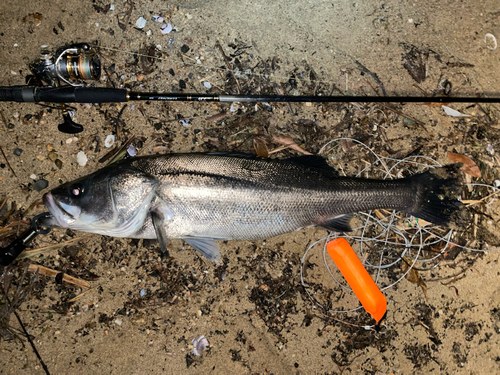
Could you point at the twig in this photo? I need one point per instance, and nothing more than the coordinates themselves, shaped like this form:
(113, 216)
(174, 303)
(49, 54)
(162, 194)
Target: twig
(30, 253)
(418, 122)
(228, 66)
(8, 164)
(53, 273)
(3, 119)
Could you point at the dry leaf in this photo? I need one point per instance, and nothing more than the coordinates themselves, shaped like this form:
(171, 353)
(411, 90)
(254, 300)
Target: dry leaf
(260, 147)
(469, 166)
(288, 141)
(53, 273)
(413, 276)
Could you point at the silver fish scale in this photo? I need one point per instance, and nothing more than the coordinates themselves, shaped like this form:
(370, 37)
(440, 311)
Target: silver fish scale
(237, 198)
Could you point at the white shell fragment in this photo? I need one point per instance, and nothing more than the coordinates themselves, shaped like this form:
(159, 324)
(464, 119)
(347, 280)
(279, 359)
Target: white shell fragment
(81, 158)
(454, 113)
(166, 28)
(199, 343)
(207, 84)
(131, 150)
(110, 141)
(140, 23)
(490, 41)
(185, 123)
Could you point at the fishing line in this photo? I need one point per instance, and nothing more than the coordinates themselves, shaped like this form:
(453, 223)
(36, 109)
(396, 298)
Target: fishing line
(396, 234)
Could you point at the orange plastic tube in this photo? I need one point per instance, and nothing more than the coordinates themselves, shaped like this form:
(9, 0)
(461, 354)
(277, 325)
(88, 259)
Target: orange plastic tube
(358, 278)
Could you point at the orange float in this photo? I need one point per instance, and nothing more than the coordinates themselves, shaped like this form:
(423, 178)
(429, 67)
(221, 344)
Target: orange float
(358, 278)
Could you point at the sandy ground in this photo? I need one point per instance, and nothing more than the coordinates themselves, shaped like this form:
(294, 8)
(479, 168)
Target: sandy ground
(253, 310)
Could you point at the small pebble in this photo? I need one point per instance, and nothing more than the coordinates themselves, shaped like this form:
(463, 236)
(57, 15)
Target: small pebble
(53, 156)
(157, 19)
(490, 149)
(140, 23)
(112, 7)
(18, 151)
(119, 321)
(184, 123)
(58, 163)
(185, 48)
(143, 292)
(110, 140)
(140, 77)
(207, 84)
(182, 84)
(81, 158)
(40, 184)
(33, 176)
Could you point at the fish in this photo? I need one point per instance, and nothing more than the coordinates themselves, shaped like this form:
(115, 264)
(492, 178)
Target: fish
(202, 198)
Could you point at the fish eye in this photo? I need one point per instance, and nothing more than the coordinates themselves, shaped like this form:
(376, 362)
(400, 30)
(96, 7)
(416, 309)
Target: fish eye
(76, 190)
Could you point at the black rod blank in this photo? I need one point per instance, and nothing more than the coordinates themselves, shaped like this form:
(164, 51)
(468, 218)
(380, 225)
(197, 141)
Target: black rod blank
(70, 94)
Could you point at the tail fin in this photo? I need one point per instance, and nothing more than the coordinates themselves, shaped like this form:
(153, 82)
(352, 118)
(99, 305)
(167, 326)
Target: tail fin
(437, 192)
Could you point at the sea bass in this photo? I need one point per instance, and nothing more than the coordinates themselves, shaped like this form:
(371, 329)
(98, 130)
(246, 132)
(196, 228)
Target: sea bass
(202, 198)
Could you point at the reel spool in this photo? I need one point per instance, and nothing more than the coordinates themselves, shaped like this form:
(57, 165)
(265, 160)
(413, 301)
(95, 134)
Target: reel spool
(72, 65)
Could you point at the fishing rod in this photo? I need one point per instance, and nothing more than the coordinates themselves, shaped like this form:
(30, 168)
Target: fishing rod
(70, 94)
(67, 71)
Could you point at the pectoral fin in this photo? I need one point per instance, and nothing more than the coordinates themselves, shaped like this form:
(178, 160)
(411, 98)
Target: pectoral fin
(207, 246)
(158, 220)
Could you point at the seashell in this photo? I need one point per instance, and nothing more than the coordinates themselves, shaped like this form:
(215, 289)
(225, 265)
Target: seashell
(110, 140)
(199, 343)
(491, 41)
(140, 23)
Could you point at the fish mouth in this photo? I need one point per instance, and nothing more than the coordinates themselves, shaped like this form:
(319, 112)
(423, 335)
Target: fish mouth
(56, 211)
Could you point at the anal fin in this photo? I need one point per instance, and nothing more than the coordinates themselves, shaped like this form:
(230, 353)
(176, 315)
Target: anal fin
(207, 246)
(340, 223)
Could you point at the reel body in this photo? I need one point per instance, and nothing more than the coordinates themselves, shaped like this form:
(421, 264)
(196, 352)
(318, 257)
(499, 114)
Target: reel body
(72, 65)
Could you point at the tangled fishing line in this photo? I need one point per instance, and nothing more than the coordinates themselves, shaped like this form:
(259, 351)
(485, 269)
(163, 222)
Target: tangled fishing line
(384, 239)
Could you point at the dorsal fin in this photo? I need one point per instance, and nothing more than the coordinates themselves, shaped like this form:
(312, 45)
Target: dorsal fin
(313, 161)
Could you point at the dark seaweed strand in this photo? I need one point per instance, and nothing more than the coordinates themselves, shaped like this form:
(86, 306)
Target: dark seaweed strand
(45, 368)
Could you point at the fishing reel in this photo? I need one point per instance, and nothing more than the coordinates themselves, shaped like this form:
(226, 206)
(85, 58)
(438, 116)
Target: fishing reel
(72, 65)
